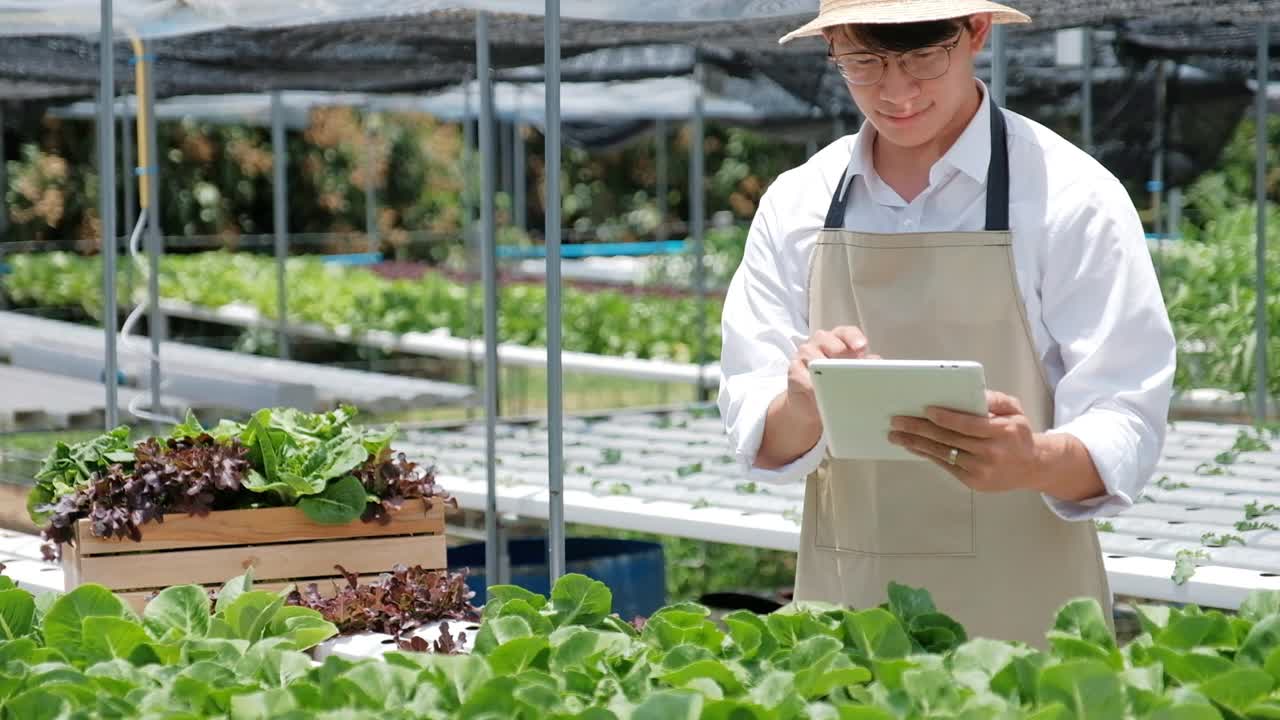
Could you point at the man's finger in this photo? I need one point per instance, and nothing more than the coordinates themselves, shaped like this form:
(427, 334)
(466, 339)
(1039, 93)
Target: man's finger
(922, 428)
(962, 423)
(999, 403)
(958, 472)
(831, 346)
(853, 339)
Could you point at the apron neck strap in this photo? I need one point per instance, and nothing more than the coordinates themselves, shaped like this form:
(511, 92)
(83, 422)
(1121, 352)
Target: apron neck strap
(997, 181)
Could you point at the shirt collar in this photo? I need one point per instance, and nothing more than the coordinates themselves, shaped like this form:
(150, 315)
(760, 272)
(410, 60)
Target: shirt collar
(970, 154)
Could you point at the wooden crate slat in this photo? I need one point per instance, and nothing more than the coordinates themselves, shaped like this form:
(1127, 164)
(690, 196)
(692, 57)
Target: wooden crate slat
(137, 599)
(257, 527)
(269, 562)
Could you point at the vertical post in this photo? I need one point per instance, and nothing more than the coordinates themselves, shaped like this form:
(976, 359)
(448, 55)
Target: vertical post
(1086, 91)
(4, 196)
(1175, 213)
(492, 551)
(370, 188)
(4, 181)
(1260, 189)
(128, 166)
(107, 206)
(469, 242)
(506, 160)
(697, 223)
(663, 189)
(839, 127)
(129, 175)
(151, 173)
(999, 64)
(1156, 185)
(519, 200)
(555, 384)
(280, 199)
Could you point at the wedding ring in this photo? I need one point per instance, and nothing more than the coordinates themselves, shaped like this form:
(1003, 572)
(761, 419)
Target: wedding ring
(951, 458)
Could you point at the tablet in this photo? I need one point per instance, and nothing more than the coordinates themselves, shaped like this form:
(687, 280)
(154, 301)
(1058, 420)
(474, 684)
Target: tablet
(857, 399)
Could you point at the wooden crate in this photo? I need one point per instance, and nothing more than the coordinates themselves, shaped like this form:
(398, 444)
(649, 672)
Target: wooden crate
(282, 546)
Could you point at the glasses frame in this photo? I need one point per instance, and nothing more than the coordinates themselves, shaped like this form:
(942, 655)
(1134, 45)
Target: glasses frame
(900, 57)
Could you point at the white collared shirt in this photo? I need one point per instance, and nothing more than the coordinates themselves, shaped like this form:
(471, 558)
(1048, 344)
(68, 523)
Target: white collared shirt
(1098, 319)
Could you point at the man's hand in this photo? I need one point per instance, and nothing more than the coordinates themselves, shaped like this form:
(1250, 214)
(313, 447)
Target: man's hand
(996, 453)
(844, 342)
(1001, 452)
(792, 426)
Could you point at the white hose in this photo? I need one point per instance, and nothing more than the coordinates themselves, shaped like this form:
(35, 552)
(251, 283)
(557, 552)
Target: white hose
(139, 346)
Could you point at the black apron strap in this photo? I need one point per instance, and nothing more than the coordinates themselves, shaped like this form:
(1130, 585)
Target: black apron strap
(998, 174)
(997, 182)
(839, 201)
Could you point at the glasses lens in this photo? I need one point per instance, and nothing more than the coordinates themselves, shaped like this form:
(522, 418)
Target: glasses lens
(926, 63)
(860, 68)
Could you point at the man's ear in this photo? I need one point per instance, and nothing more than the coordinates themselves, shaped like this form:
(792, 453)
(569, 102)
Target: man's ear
(979, 30)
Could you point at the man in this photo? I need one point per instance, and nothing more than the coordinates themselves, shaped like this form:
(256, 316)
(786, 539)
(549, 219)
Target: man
(948, 228)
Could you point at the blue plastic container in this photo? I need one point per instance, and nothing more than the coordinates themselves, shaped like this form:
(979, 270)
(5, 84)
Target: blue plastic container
(634, 570)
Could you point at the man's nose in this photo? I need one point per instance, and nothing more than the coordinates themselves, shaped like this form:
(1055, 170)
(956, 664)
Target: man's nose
(897, 87)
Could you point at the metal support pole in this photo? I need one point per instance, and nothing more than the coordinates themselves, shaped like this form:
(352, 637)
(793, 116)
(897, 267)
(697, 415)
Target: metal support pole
(999, 64)
(555, 383)
(506, 160)
(280, 199)
(128, 171)
(492, 551)
(4, 181)
(1156, 184)
(1086, 91)
(697, 222)
(4, 202)
(128, 166)
(1175, 213)
(370, 189)
(663, 188)
(151, 174)
(107, 207)
(519, 198)
(470, 244)
(1260, 188)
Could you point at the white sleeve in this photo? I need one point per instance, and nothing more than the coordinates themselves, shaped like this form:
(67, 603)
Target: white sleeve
(765, 318)
(1102, 305)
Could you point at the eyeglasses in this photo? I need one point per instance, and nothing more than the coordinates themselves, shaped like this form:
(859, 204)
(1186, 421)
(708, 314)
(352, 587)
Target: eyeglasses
(867, 68)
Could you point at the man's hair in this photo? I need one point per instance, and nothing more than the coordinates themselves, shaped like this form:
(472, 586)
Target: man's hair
(900, 37)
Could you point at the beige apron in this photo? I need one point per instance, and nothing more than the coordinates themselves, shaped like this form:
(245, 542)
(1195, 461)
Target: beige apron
(1002, 564)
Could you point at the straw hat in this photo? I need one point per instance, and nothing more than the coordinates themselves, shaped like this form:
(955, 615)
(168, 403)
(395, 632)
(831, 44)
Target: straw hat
(842, 12)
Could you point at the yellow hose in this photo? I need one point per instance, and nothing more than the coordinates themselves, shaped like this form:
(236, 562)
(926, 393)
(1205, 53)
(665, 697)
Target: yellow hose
(141, 79)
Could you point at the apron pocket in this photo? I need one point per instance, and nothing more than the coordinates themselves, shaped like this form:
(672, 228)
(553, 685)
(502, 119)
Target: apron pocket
(893, 508)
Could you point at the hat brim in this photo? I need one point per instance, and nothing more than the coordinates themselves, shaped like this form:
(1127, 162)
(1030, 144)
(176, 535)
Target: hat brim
(896, 13)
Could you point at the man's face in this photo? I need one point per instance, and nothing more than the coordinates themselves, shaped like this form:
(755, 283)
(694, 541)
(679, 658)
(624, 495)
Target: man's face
(907, 111)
